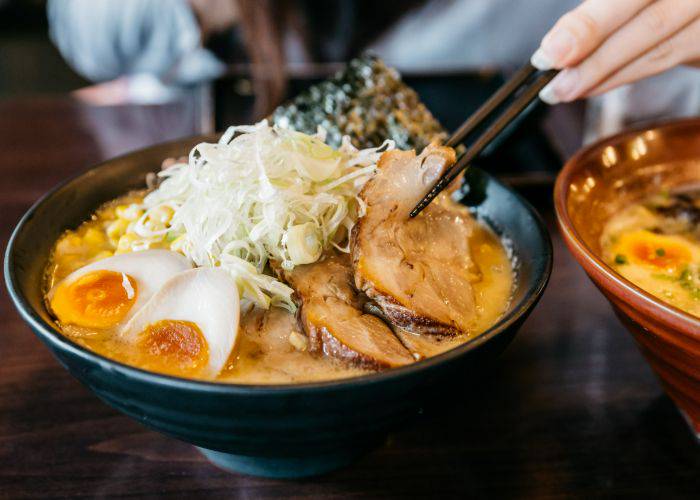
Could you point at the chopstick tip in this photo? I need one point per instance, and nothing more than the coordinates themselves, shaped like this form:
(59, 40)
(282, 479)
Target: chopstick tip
(439, 186)
(416, 210)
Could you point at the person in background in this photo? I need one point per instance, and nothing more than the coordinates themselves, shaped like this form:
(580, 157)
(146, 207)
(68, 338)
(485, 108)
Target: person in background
(610, 52)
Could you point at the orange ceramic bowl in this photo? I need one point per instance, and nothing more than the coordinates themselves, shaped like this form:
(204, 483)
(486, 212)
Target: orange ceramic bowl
(600, 180)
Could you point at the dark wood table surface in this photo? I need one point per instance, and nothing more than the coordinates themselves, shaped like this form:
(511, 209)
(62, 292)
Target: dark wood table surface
(570, 409)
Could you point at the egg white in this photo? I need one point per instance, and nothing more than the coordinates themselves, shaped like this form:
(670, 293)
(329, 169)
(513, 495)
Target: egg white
(151, 269)
(207, 297)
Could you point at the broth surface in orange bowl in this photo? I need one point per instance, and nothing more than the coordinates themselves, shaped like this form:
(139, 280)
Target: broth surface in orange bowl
(599, 182)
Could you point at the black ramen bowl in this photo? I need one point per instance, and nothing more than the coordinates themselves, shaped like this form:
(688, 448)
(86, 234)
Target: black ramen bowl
(268, 430)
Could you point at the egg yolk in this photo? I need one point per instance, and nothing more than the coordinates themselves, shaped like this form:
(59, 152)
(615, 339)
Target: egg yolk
(655, 250)
(99, 299)
(174, 346)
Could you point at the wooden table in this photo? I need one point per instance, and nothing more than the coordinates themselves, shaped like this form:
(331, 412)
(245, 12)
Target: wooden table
(571, 409)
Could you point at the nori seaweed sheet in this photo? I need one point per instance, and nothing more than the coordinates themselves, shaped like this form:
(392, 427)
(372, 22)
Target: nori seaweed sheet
(366, 101)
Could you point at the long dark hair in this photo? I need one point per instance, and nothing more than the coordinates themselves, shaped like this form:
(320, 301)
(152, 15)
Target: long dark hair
(330, 30)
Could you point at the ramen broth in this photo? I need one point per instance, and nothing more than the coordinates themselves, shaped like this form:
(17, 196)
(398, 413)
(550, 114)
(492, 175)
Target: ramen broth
(271, 347)
(655, 244)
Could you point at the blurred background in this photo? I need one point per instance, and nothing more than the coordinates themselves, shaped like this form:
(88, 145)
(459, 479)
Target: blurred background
(150, 70)
(29, 62)
(144, 71)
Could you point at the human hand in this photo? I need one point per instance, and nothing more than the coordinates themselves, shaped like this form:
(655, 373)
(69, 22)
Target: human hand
(601, 45)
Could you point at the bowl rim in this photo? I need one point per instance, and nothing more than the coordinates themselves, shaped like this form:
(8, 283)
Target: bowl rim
(611, 279)
(50, 334)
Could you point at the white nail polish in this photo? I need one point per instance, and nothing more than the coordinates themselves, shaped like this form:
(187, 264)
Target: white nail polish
(541, 61)
(548, 94)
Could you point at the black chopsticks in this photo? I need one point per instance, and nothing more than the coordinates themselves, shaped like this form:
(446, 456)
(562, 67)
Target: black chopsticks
(523, 88)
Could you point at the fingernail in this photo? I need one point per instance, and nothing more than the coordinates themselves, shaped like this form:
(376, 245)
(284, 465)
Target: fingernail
(562, 88)
(541, 61)
(557, 45)
(548, 95)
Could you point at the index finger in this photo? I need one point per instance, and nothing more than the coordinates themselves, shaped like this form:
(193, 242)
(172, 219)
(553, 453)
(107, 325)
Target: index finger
(579, 32)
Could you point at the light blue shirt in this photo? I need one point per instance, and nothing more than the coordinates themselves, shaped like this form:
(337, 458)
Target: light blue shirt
(106, 39)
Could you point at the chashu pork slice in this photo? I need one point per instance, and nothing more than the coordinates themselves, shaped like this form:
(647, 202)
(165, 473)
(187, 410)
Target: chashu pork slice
(330, 312)
(418, 271)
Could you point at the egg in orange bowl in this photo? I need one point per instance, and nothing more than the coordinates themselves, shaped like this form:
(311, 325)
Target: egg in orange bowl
(655, 252)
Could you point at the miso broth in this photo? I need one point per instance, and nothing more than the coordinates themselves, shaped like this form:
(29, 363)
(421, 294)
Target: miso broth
(655, 244)
(271, 348)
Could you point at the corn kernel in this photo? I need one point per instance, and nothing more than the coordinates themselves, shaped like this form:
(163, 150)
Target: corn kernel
(116, 229)
(105, 214)
(93, 237)
(299, 341)
(74, 240)
(69, 244)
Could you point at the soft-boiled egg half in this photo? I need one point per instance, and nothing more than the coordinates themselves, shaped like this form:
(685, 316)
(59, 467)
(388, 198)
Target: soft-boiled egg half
(665, 265)
(190, 326)
(107, 293)
(659, 253)
(174, 319)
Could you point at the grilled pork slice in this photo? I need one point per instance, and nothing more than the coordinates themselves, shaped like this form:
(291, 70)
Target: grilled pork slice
(331, 314)
(420, 346)
(418, 271)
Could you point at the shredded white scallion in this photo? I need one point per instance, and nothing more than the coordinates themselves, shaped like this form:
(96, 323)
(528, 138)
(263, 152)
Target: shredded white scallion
(262, 193)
